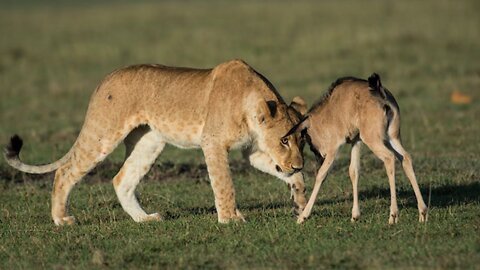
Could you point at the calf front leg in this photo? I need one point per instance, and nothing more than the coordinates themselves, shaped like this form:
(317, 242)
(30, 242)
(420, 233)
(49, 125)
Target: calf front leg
(295, 182)
(321, 175)
(353, 172)
(222, 185)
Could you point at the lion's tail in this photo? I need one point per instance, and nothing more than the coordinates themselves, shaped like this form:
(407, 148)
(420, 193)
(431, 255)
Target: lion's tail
(12, 152)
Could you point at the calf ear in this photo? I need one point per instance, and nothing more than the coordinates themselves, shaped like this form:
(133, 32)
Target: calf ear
(266, 110)
(299, 105)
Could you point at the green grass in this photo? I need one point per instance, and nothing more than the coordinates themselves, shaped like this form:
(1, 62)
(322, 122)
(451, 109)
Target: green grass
(52, 55)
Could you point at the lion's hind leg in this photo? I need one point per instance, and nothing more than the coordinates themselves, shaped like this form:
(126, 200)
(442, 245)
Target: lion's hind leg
(65, 178)
(86, 154)
(143, 145)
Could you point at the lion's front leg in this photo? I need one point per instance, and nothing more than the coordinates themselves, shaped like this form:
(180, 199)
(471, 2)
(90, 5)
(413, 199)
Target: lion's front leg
(297, 191)
(222, 185)
(295, 182)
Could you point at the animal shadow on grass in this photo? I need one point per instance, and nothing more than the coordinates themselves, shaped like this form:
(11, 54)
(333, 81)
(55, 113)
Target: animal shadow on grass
(210, 210)
(238, 168)
(439, 196)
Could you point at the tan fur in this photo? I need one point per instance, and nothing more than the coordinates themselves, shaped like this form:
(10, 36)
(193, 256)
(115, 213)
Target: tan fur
(353, 112)
(148, 106)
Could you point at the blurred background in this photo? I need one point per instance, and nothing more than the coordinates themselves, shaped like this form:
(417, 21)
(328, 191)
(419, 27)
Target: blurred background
(54, 53)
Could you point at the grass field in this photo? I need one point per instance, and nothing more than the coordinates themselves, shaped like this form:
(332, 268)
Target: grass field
(52, 55)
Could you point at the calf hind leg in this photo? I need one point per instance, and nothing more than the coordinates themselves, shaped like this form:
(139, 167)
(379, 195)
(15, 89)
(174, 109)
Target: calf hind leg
(408, 169)
(388, 158)
(143, 146)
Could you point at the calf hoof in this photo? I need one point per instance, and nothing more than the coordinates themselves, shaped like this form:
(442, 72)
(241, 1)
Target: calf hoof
(423, 216)
(355, 219)
(355, 216)
(393, 219)
(301, 219)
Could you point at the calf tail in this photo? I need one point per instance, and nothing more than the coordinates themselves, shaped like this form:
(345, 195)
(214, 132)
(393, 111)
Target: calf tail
(390, 105)
(376, 85)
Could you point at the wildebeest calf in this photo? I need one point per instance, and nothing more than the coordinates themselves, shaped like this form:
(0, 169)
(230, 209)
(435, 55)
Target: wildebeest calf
(355, 111)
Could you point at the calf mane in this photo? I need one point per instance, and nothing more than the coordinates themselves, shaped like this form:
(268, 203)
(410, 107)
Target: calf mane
(330, 90)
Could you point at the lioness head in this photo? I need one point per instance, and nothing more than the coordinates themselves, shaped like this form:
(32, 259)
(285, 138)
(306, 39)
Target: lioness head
(274, 120)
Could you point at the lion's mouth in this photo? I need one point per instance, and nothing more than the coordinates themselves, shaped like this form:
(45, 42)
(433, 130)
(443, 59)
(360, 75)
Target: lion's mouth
(289, 173)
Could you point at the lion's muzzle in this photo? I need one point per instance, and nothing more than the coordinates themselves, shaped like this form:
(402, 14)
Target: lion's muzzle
(290, 171)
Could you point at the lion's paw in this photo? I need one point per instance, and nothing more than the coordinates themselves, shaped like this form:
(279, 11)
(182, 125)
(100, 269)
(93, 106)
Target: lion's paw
(69, 220)
(237, 217)
(151, 217)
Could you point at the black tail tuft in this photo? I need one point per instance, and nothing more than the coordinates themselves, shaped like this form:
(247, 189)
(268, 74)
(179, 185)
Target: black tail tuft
(376, 85)
(374, 81)
(13, 148)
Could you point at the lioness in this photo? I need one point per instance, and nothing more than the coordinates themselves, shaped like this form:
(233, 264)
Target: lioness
(147, 106)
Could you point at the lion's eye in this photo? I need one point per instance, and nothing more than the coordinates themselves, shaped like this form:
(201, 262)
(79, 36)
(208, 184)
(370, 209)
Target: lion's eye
(284, 141)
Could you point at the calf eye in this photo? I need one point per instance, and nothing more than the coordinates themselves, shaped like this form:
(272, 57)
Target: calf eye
(284, 141)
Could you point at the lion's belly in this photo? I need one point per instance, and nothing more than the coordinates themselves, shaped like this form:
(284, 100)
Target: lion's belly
(182, 141)
(183, 134)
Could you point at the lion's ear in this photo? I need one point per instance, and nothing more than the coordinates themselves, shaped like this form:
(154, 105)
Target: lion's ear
(266, 110)
(299, 105)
